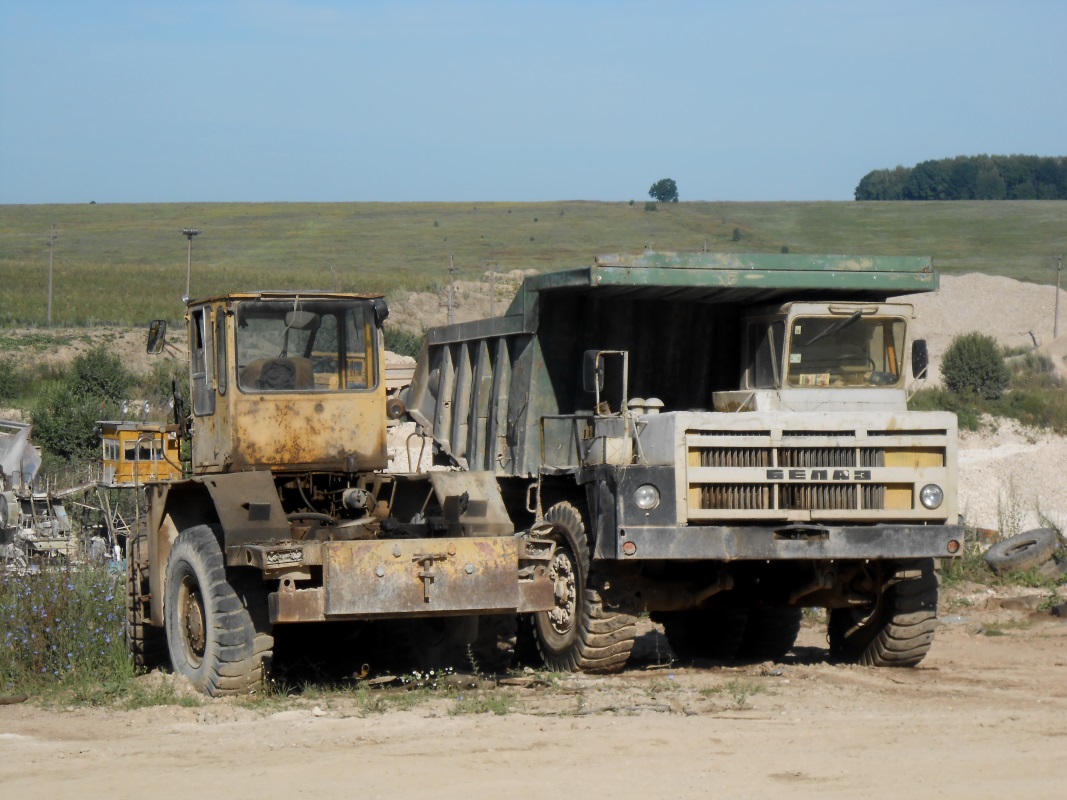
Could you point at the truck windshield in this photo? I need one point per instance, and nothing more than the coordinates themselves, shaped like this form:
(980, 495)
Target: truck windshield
(305, 345)
(840, 350)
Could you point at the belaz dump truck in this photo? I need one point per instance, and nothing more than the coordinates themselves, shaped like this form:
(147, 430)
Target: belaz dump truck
(288, 516)
(720, 440)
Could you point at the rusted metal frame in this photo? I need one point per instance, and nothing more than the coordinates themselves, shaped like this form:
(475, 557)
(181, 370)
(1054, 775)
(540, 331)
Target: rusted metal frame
(422, 577)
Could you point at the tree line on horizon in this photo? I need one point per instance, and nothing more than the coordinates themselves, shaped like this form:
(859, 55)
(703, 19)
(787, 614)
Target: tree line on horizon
(970, 178)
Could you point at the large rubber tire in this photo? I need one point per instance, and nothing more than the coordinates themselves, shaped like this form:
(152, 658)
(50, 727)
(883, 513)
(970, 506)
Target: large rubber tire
(217, 623)
(146, 644)
(1023, 551)
(711, 633)
(580, 633)
(896, 631)
(770, 632)
(483, 644)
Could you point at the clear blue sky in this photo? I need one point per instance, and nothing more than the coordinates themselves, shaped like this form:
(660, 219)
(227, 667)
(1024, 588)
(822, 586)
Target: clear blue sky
(278, 100)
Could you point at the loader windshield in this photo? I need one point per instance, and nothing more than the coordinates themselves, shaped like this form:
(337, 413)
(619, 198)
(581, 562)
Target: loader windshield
(305, 345)
(845, 350)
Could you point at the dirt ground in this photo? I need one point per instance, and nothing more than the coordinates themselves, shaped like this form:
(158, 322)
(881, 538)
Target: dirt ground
(984, 716)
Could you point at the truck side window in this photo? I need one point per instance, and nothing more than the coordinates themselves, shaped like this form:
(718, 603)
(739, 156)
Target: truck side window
(765, 345)
(202, 348)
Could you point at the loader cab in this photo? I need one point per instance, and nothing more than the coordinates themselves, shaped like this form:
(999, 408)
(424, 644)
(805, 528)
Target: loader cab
(287, 382)
(819, 355)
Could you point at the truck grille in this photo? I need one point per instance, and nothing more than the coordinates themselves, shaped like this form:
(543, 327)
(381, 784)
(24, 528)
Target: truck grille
(795, 472)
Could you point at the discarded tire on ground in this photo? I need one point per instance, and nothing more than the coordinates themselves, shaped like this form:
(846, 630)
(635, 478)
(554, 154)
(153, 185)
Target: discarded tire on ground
(1022, 551)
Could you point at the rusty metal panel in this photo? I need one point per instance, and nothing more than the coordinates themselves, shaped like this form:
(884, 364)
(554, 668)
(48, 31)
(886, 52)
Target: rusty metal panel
(248, 507)
(421, 576)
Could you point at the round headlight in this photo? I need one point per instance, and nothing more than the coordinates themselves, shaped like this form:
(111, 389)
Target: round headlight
(646, 496)
(931, 496)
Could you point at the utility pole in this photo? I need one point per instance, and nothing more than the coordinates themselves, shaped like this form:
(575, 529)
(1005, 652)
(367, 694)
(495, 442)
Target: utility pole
(451, 290)
(189, 233)
(51, 251)
(1056, 318)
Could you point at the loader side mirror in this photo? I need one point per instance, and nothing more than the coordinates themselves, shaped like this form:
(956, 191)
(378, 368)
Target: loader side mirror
(157, 336)
(920, 358)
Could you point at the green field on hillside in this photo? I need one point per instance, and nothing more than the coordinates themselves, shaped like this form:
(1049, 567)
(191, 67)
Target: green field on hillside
(126, 263)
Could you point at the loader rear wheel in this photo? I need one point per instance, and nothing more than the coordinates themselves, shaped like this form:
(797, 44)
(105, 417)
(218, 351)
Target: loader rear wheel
(218, 629)
(581, 633)
(896, 630)
(146, 643)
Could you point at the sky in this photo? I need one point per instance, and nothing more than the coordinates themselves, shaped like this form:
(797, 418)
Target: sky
(136, 101)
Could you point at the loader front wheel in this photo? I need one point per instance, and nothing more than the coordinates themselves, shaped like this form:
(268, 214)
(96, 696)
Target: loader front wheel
(217, 623)
(581, 633)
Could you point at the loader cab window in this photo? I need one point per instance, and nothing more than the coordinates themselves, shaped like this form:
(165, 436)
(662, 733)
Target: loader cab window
(845, 350)
(202, 351)
(306, 346)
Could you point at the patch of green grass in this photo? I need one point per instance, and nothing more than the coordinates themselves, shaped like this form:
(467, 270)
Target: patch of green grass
(478, 701)
(162, 693)
(126, 263)
(740, 691)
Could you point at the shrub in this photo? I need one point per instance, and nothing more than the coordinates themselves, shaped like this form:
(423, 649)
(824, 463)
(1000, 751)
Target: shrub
(736, 235)
(64, 423)
(974, 364)
(99, 374)
(13, 381)
(650, 206)
(402, 342)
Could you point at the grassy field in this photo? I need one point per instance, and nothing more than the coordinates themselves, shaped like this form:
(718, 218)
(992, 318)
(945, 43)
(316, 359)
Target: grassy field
(126, 263)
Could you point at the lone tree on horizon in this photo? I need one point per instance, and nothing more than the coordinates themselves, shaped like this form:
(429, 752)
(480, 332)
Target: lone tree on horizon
(664, 190)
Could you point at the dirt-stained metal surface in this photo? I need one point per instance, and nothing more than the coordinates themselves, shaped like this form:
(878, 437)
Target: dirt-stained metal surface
(420, 576)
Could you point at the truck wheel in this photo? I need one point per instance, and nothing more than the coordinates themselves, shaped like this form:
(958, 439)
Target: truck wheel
(218, 629)
(146, 643)
(895, 631)
(579, 633)
(1022, 551)
(714, 633)
(770, 632)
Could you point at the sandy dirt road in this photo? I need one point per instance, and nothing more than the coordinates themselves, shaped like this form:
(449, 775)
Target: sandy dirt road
(985, 716)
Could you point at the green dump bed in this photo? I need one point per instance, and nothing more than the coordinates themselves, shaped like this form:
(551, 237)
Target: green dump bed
(484, 388)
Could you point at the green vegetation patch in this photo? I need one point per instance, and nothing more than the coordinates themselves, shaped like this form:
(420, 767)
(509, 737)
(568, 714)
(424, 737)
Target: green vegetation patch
(125, 264)
(64, 628)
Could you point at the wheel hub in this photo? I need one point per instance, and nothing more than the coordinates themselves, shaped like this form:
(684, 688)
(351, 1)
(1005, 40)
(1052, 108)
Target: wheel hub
(194, 627)
(565, 589)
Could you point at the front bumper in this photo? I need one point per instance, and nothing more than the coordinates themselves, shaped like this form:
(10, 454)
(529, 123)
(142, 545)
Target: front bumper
(789, 542)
